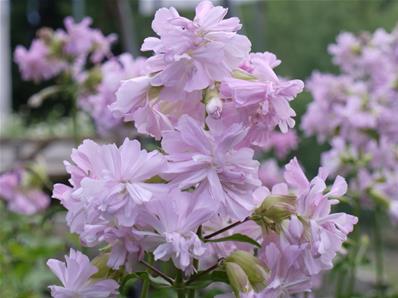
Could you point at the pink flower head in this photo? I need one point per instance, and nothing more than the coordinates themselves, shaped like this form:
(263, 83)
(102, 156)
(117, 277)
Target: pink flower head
(112, 72)
(328, 230)
(194, 54)
(111, 180)
(20, 198)
(80, 40)
(175, 220)
(270, 173)
(209, 158)
(263, 101)
(36, 64)
(75, 275)
(287, 274)
(137, 101)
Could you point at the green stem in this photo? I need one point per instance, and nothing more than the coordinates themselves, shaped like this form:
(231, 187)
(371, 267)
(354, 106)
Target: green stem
(146, 282)
(355, 258)
(378, 247)
(179, 284)
(74, 123)
(145, 289)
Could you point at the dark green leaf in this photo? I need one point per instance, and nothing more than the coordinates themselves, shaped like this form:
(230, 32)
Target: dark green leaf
(236, 237)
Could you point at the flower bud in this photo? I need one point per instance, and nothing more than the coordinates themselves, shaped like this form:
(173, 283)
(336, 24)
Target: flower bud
(213, 103)
(100, 262)
(273, 211)
(93, 79)
(237, 278)
(254, 270)
(214, 107)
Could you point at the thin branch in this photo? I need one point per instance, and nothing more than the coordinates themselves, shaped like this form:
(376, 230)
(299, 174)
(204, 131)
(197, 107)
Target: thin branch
(207, 237)
(208, 270)
(154, 269)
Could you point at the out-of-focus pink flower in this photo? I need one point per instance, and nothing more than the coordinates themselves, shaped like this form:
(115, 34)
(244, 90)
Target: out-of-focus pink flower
(20, 198)
(80, 40)
(76, 277)
(270, 173)
(112, 73)
(282, 143)
(36, 64)
(209, 158)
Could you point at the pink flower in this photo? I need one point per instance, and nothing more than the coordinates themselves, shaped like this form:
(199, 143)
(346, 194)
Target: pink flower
(75, 275)
(328, 230)
(112, 72)
(282, 143)
(109, 191)
(270, 173)
(112, 180)
(80, 40)
(194, 54)
(139, 102)
(20, 198)
(175, 220)
(287, 274)
(36, 64)
(265, 98)
(209, 158)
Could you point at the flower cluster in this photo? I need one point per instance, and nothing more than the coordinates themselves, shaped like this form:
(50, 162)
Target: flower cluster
(357, 111)
(199, 201)
(81, 60)
(62, 50)
(21, 192)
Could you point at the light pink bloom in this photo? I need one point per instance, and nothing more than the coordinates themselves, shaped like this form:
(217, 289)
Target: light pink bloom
(75, 275)
(265, 100)
(112, 72)
(36, 64)
(21, 198)
(175, 219)
(287, 274)
(112, 179)
(80, 40)
(328, 230)
(194, 54)
(209, 158)
(137, 101)
(270, 173)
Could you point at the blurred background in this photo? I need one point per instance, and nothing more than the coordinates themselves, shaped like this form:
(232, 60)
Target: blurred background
(298, 32)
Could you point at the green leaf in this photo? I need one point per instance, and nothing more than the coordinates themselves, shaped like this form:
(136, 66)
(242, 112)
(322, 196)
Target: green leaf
(236, 237)
(205, 280)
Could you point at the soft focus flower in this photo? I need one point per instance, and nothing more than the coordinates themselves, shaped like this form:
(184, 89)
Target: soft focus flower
(36, 64)
(97, 99)
(80, 40)
(21, 198)
(76, 277)
(356, 111)
(270, 173)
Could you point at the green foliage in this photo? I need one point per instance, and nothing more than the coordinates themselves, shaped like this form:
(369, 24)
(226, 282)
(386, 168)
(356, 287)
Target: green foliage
(26, 242)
